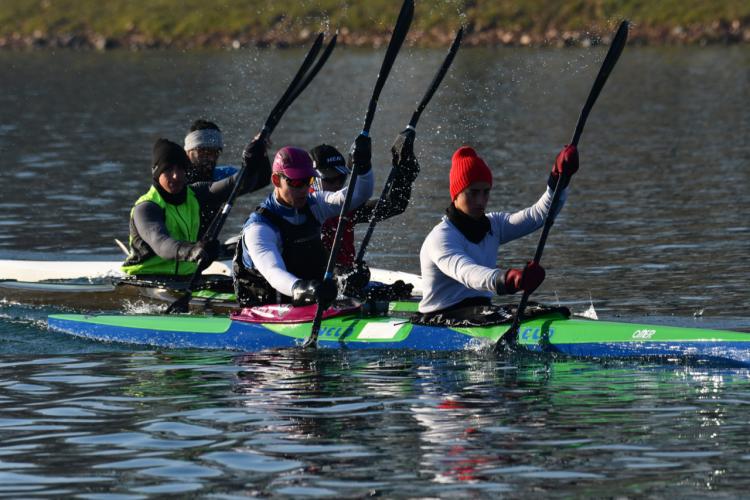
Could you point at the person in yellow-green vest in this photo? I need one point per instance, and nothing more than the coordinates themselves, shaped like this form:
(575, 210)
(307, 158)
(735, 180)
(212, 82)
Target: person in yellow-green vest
(166, 221)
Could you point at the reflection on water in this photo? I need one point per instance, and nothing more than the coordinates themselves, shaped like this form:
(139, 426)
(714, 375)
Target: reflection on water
(354, 424)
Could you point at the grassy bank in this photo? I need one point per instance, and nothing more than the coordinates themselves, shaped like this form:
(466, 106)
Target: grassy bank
(219, 23)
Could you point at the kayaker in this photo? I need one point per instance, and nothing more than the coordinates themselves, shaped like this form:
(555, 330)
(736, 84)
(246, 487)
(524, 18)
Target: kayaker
(332, 173)
(280, 256)
(204, 144)
(165, 222)
(458, 257)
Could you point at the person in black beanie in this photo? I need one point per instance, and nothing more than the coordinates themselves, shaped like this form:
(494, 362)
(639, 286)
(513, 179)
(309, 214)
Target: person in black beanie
(166, 223)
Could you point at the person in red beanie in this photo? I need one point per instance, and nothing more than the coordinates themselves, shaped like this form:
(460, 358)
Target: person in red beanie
(459, 256)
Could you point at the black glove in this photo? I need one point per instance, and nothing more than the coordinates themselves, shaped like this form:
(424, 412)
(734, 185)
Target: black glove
(397, 290)
(203, 252)
(356, 279)
(360, 155)
(255, 157)
(306, 292)
(403, 158)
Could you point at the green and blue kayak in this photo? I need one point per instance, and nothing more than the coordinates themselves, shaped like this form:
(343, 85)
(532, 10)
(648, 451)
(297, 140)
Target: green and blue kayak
(283, 326)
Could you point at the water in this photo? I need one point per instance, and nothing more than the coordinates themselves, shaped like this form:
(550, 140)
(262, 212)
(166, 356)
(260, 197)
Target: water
(295, 424)
(655, 230)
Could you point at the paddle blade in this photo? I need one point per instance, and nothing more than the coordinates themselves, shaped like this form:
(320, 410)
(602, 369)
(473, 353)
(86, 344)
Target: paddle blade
(181, 305)
(302, 85)
(397, 39)
(437, 79)
(275, 115)
(613, 54)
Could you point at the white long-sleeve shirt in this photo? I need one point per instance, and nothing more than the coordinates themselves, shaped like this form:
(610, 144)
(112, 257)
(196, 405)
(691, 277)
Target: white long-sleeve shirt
(454, 268)
(262, 242)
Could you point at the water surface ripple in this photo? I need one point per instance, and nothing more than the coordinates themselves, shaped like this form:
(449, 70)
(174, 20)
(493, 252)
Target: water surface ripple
(359, 424)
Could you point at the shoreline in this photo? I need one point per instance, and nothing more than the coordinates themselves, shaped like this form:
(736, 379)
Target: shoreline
(717, 33)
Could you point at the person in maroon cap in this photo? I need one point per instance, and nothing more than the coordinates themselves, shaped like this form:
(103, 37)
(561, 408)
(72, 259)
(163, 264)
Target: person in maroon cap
(332, 171)
(280, 257)
(458, 258)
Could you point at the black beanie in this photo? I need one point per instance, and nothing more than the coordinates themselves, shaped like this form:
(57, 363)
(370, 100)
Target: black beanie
(328, 161)
(166, 154)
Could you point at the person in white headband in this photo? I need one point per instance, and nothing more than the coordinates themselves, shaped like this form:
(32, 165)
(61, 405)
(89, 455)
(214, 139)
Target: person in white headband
(203, 145)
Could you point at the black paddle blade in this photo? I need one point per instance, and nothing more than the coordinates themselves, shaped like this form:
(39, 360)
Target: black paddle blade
(397, 39)
(438, 78)
(613, 54)
(275, 115)
(181, 305)
(302, 85)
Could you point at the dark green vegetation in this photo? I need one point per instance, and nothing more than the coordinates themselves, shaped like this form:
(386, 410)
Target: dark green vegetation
(189, 23)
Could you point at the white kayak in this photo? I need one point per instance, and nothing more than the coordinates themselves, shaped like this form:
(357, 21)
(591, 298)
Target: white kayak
(44, 270)
(30, 271)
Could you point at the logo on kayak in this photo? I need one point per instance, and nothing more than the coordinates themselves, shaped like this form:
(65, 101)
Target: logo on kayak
(333, 332)
(535, 333)
(644, 334)
(386, 330)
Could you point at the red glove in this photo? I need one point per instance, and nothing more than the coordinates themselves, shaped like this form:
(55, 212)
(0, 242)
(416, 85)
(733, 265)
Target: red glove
(566, 161)
(527, 279)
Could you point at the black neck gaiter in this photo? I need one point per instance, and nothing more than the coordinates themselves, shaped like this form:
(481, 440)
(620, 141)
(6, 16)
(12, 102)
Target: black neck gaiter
(473, 229)
(172, 199)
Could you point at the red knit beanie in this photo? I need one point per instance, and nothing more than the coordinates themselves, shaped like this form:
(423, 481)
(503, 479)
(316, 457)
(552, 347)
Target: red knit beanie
(467, 168)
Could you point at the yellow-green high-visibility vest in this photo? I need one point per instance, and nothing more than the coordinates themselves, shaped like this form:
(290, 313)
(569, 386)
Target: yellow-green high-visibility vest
(183, 223)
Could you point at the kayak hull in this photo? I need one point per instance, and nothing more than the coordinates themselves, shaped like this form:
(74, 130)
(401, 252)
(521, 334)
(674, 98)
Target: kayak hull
(41, 270)
(31, 271)
(553, 333)
(112, 293)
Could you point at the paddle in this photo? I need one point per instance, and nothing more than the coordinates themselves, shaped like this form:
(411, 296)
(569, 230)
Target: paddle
(438, 78)
(301, 80)
(618, 44)
(397, 39)
(292, 92)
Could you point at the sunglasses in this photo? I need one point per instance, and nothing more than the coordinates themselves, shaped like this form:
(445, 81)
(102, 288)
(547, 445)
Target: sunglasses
(297, 183)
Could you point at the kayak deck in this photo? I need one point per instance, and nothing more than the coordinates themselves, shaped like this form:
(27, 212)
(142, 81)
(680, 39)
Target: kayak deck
(549, 333)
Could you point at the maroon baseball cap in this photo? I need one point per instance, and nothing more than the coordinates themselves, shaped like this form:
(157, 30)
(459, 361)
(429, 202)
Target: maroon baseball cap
(294, 163)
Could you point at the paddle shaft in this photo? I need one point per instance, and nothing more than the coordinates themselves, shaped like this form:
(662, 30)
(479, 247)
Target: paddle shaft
(437, 79)
(301, 80)
(618, 44)
(548, 221)
(397, 39)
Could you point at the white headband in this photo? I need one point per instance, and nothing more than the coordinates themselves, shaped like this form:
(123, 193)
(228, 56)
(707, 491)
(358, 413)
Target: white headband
(205, 138)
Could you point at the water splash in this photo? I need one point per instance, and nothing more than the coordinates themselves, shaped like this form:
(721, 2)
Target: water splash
(589, 313)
